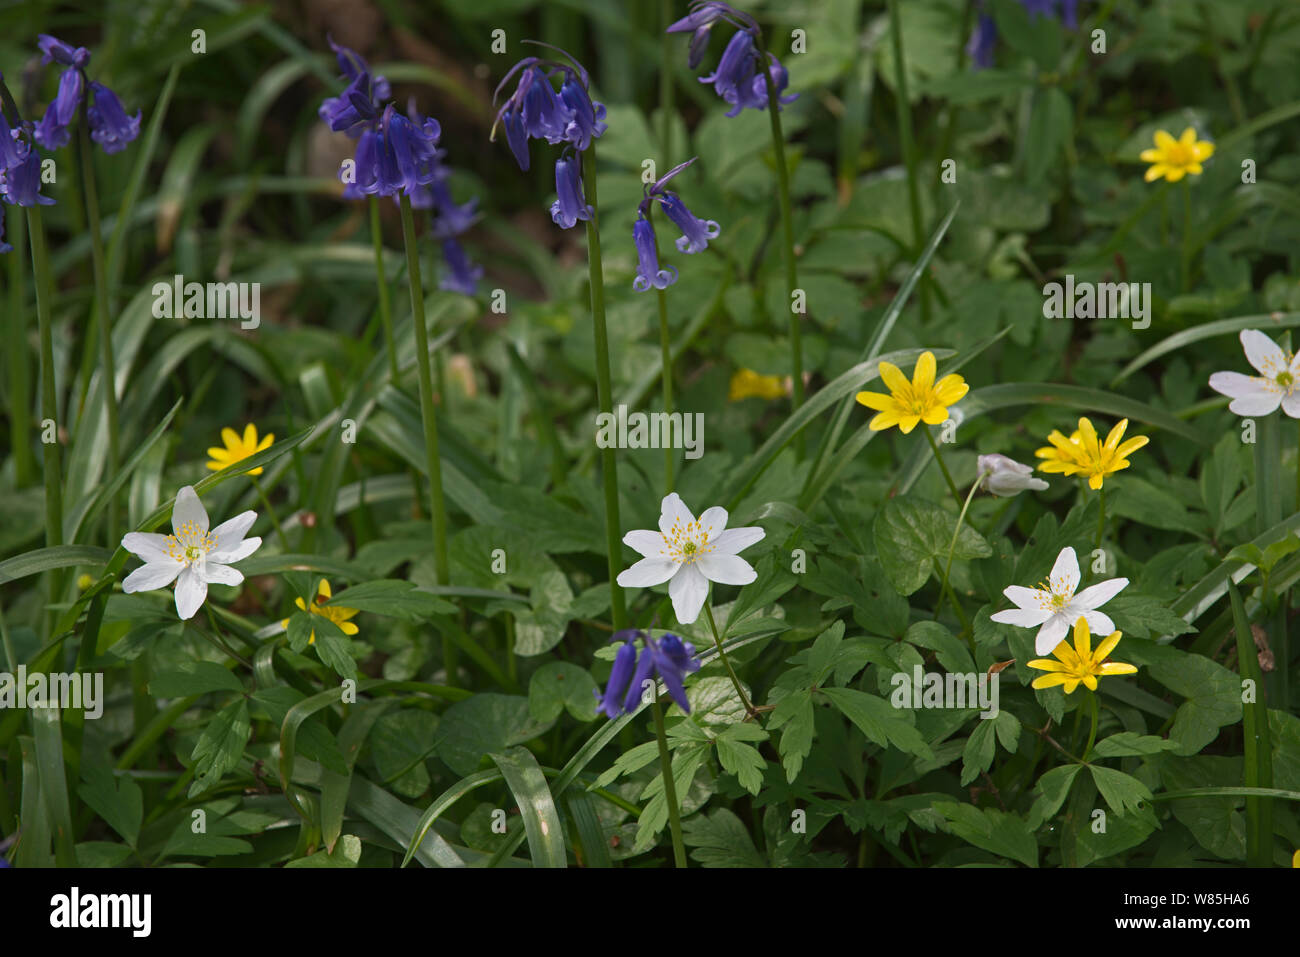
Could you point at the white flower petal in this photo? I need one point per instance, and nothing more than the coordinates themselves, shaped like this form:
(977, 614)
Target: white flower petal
(1251, 395)
(1099, 624)
(217, 574)
(647, 572)
(1021, 617)
(646, 543)
(1263, 353)
(736, 539)
(1065, 573)
(152, 575)
(149, 546)
(1027, 597)
(189, 510)
(688, 590)
(1097, 595)
(727, 569)
(238, 553)
(1050, 635)
(713, 521)
(1291, 404)
(191, 590)
(673, 510)
(230, 533)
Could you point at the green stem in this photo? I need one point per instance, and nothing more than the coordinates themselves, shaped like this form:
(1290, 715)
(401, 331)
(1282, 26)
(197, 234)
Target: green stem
(670, 786)
(908, 147)
(1268, 513)
(433, 460)
(722, 654)
(604, 390)
(104, 321)
(1256, 744)
(666, 82)
(1101, 516)
(946, 588)
(49, 400)
(947, 476)
(787, 236)
(665, 345)
(270, 511)
(381, 281)
(20, 404)
(1185, 260)
(1092, 733)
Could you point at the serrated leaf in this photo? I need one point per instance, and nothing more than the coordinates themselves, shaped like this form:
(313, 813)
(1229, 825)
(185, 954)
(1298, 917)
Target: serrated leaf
(1005, 835)
(220, 746)
(194, 677)
(878, 720)
(1123, 792)
(912, 534)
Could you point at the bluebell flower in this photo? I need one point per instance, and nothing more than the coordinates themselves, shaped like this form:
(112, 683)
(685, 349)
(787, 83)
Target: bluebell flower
(739, 77)
(353, 65)
(696, 232)
(20, 184)
(359, 105)
(648, 272)
(983, 40)
(570, 205)
(535, 111)
(413, 149)
(736, 68)
(671, 658)
(461, 275)
(52, 130)
(110, 127)
(13, 148)
(699, 24)
(56, 51)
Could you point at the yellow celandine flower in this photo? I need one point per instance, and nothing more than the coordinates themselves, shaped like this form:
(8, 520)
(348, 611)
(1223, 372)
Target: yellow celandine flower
(921, 400)
(238, 448)
(1083, 454)
(1080, 663)
(1175, 158)
(748, 384)
(335, 613)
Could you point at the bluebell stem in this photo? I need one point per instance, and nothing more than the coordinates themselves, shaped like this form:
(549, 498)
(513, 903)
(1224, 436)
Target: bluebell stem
(569, 206)
(111, 127)
(669, 657)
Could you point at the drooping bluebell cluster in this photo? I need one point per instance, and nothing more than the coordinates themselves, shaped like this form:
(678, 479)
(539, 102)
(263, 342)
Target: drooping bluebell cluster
(739, 76)
(20, 171)
(398, 155)
(669, 657)
(110, 126)
(536, 111)
(984, 38)
(695, 236)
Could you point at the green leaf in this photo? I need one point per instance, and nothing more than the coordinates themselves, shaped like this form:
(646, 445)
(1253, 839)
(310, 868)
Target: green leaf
(879, 720)
(1123, 792)
(527, 783)
(793, 716)
(485, 723)
(720, 839)
(1005, 835)
(1053, 788)
(399, 744)
(220, 746)
(394, 599)
(1050, 127)
(1130, 744)
(741, 759)
(346, 854)
(558, 686)
(194, 677)
(118, 800)
(56, 556)
(1213, 692)
(541, 629)
(912, 534)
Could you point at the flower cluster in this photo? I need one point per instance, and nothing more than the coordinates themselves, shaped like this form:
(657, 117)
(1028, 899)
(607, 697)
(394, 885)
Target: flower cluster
(20, 173)
(398, 155)
(741, 77)
(695, 236)
(669, 657)
(535, 110)
(110, 126)
(984, 37)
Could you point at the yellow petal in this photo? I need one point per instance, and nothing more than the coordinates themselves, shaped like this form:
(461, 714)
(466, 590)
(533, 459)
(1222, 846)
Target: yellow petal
(951, 389)
(1188, 137)
(216, 466)
(1046, 664)
(1195, 169)
(1175, 174)
(875, 400)
(1107, 645)
(1203, 150)
(300, 603)
(935, 415)
(1150, 156)
(1071, 684)
(1164, 141)
(1117, 668)
(1049, 681)
(1117, 433)
(323, 590)
(1090, 682)
(219, 454)
(266, 441)
(230, 437)
(882, 421)
(1131, 446)
(923, 374)
(1156, 172)
(1094, 482)
(1082, 639)
(250, 436)
(894, 379)
(347, 627)
(908, 423)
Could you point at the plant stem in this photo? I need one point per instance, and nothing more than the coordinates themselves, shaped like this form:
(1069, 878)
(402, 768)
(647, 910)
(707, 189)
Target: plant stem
(665, 345)
(787, 235)
(1101, 516)
(909, 148)
(1092, 733)
(604, 390)
(20, 404)
(1268, 513)
(270, 511)
(945, 587)
(947, 476)
(433, 459)
(744, 699)
(381, 281)
(1256, 744)
(670, 786)
(104, 321)
(1185, 260)
(666, 82)
(49, 401)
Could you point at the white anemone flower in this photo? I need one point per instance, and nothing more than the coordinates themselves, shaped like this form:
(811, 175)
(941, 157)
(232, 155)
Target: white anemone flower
(1277, 384)
(192, 556)
(1055, 607)
(1006, 477)
(689, 553)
